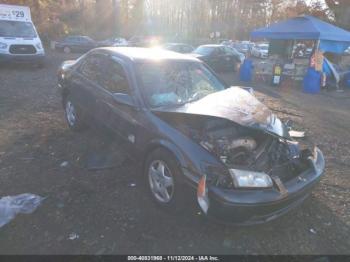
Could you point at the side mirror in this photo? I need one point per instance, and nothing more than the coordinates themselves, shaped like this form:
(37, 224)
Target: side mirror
(124, 99)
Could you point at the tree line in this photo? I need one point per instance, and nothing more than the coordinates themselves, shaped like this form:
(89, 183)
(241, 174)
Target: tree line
(180, 20)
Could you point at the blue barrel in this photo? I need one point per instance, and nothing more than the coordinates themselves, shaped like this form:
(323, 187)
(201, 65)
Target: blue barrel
(347, 80)
(312, 81)
(246, 71)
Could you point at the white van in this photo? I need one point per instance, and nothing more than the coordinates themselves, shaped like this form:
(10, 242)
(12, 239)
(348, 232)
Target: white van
(19, 40)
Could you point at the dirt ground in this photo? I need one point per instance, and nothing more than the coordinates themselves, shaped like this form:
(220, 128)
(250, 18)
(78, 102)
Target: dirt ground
(109, 211)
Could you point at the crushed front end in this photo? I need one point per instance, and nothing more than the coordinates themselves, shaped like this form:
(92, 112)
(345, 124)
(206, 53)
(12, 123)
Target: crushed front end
(262, 175)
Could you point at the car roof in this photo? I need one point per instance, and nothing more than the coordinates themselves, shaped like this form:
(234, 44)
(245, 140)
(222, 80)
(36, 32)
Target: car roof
(176, 44)
(212, 45)
(151, 54)
(75, 36)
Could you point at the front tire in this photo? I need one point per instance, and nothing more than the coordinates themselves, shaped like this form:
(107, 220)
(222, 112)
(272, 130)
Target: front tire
(162, 173)
(73, 115)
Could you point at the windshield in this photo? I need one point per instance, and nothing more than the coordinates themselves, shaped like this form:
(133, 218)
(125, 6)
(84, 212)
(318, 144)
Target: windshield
(176, 83)
(16, 29)
(203, 50)
(264, 47)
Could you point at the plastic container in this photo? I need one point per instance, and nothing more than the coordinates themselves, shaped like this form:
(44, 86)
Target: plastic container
(246, 71)
(312, 81)
(347, 80)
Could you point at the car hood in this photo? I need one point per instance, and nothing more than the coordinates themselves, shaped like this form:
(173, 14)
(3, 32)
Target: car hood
(237, 105)
(196, 55)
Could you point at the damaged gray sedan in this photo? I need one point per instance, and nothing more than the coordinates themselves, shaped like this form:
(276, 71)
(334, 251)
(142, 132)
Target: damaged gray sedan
(191, 132)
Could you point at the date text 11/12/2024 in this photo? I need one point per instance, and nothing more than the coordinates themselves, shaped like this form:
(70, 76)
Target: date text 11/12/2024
(173, 258)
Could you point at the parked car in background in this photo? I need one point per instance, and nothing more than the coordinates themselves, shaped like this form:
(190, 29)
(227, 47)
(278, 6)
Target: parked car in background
(19, 40)
(196, 137)
(242, 47)
(261, 50)
(76, 43)
(113, 42)
(218, 57)
(178, 47)
(308, 51)
(239, 55)
(230, 44)
(226, 42)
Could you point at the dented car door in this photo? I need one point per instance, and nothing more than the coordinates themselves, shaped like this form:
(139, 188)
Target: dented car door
(115, 103)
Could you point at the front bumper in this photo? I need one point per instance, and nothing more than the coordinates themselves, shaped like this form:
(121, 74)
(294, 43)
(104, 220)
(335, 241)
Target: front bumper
(255, 206)
(35, 58)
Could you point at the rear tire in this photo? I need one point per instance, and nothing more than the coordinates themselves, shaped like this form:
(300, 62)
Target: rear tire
(163, 179)
(73, 115)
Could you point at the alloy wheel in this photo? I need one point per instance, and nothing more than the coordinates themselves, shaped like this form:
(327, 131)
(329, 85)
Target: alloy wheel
(161, 181)
(71, 113)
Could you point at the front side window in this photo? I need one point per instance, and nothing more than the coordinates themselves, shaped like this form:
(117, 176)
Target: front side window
(17, 29)
(228, 51)
(85, 39)
(71, 39)
(176, 83)
(114, 77)
(263, 47)
(91, 68)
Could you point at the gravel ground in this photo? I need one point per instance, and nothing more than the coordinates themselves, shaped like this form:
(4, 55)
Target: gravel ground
(108, 212)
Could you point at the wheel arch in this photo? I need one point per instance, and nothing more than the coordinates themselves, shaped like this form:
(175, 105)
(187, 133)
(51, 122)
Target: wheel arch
(65, 93)
(165, 145)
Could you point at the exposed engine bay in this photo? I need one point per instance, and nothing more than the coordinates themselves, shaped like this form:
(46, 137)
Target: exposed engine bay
(249, 149)
(246, 148)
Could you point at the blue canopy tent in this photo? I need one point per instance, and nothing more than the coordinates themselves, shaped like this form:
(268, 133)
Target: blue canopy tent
(328, 37)
(331, 38)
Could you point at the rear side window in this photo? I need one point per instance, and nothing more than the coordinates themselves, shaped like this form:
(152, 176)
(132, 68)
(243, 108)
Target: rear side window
(228, 51)
(114, 77)
(71, 39)
(221, 51)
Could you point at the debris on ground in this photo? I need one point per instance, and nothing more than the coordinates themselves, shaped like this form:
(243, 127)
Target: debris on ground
(10, 206)
(27, 158)
(296, 134)
(313, 231)
(132, 185)
(64, 164)
(73, 236)
(227, 243)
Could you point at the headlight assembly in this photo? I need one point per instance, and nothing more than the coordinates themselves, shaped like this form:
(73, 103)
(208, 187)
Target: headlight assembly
(217, 176)
(39, 46)
(250, 179)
